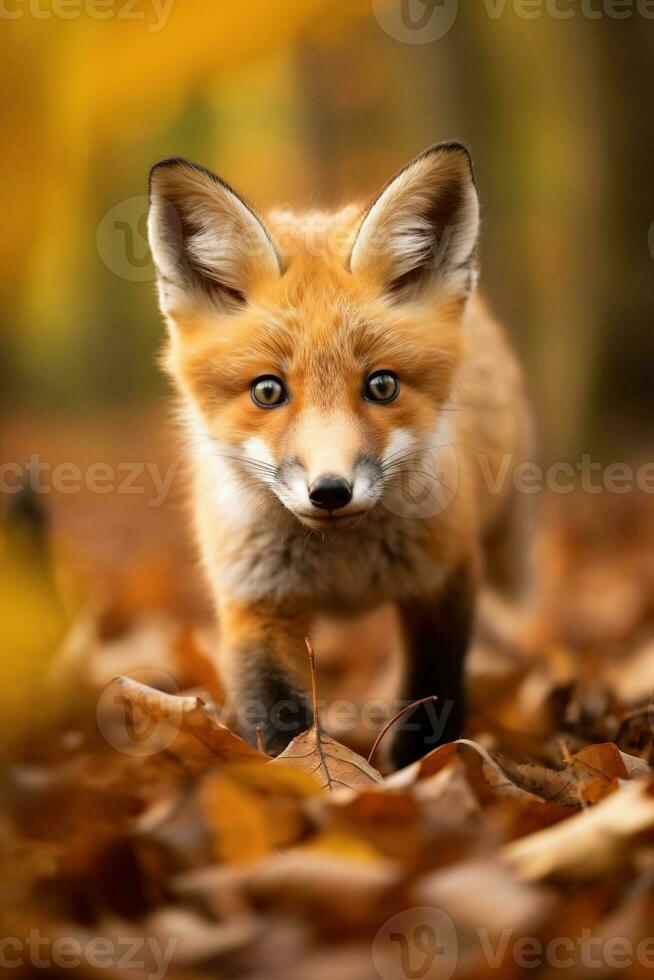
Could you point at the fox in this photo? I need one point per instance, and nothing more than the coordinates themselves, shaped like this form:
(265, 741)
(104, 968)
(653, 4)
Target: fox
(347, 401)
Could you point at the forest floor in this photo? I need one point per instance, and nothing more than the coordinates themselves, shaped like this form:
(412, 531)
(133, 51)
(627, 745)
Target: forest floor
(139, 837)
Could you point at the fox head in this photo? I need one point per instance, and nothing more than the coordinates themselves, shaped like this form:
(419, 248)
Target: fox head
(315, 354)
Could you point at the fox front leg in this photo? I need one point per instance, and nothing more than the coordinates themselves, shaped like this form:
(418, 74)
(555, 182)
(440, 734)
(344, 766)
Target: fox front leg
(264, 667)
(437, 632)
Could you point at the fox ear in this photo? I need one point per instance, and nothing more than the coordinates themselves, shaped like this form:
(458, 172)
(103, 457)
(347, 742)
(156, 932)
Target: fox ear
(208, 246)
(422, 229)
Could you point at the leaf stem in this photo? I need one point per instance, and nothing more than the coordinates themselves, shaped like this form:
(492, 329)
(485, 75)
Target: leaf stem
(314, 681)
(403, 711)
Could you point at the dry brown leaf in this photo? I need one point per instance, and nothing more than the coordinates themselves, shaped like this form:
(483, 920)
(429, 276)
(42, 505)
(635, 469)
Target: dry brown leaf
(532, 816)
(349, 885)
(484, 894)
(391, 821)
(588, 776)
(597, 770)
(253, 809)
(449, 797)
(550, 785)
(605, 758)
(332, 764)
(636, 768)
(200, 739)
(311, 880)
(588, 844)
(200, 939)
(492, 776)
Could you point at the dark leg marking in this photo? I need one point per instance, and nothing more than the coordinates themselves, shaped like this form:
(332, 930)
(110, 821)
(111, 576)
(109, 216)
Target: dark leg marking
(437, 635)
(272, 701)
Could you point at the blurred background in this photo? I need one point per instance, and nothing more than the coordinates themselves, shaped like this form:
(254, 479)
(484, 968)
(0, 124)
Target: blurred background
(311, 102)
(315, 102)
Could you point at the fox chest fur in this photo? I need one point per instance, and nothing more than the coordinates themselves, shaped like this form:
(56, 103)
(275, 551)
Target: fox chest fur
(271, 558)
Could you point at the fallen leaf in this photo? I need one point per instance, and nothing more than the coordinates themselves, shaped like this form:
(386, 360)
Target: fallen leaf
(588, 844)
(199, 739)
(253, 809)
(332, 764)
(597, 770)
(306, 880)
(200, 939)
(485, 894)
(491, 775)
(391, 821)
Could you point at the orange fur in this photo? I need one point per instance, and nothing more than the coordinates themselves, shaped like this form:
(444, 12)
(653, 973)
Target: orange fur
(331, 300)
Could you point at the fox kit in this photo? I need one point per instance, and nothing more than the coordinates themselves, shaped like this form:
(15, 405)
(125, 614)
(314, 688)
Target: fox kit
(348, 403)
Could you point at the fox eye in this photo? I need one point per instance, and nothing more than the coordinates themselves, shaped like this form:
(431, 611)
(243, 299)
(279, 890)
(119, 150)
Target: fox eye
(268, 392)
(381, 387)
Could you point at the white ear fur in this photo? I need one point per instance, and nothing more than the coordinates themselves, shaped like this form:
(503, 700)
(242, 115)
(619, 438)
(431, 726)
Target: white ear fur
(423, 227)
(208, 246)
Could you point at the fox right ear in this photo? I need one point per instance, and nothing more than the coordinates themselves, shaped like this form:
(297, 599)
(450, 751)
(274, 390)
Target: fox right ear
(209, 247)
(422, 229)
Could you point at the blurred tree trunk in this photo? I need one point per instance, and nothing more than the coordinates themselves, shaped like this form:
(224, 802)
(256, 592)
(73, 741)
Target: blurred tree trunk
(528, 100)
(532, 87)
(625, 390)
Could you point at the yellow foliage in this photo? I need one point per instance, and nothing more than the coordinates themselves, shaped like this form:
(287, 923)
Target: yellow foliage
(32, 627)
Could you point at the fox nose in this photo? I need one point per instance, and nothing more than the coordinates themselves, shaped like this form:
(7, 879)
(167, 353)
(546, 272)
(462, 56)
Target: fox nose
(330, 493)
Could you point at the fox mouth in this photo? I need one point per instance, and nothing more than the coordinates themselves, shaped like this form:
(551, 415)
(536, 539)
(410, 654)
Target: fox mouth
(330, 519)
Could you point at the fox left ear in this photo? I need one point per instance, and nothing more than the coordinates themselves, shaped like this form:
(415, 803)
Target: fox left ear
(422, 230)
(208, 245)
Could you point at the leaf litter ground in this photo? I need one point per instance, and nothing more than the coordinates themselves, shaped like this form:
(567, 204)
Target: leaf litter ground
(130, 810)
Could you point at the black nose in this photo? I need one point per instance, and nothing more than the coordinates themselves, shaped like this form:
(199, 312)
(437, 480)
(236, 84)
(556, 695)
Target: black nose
(330, 493)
